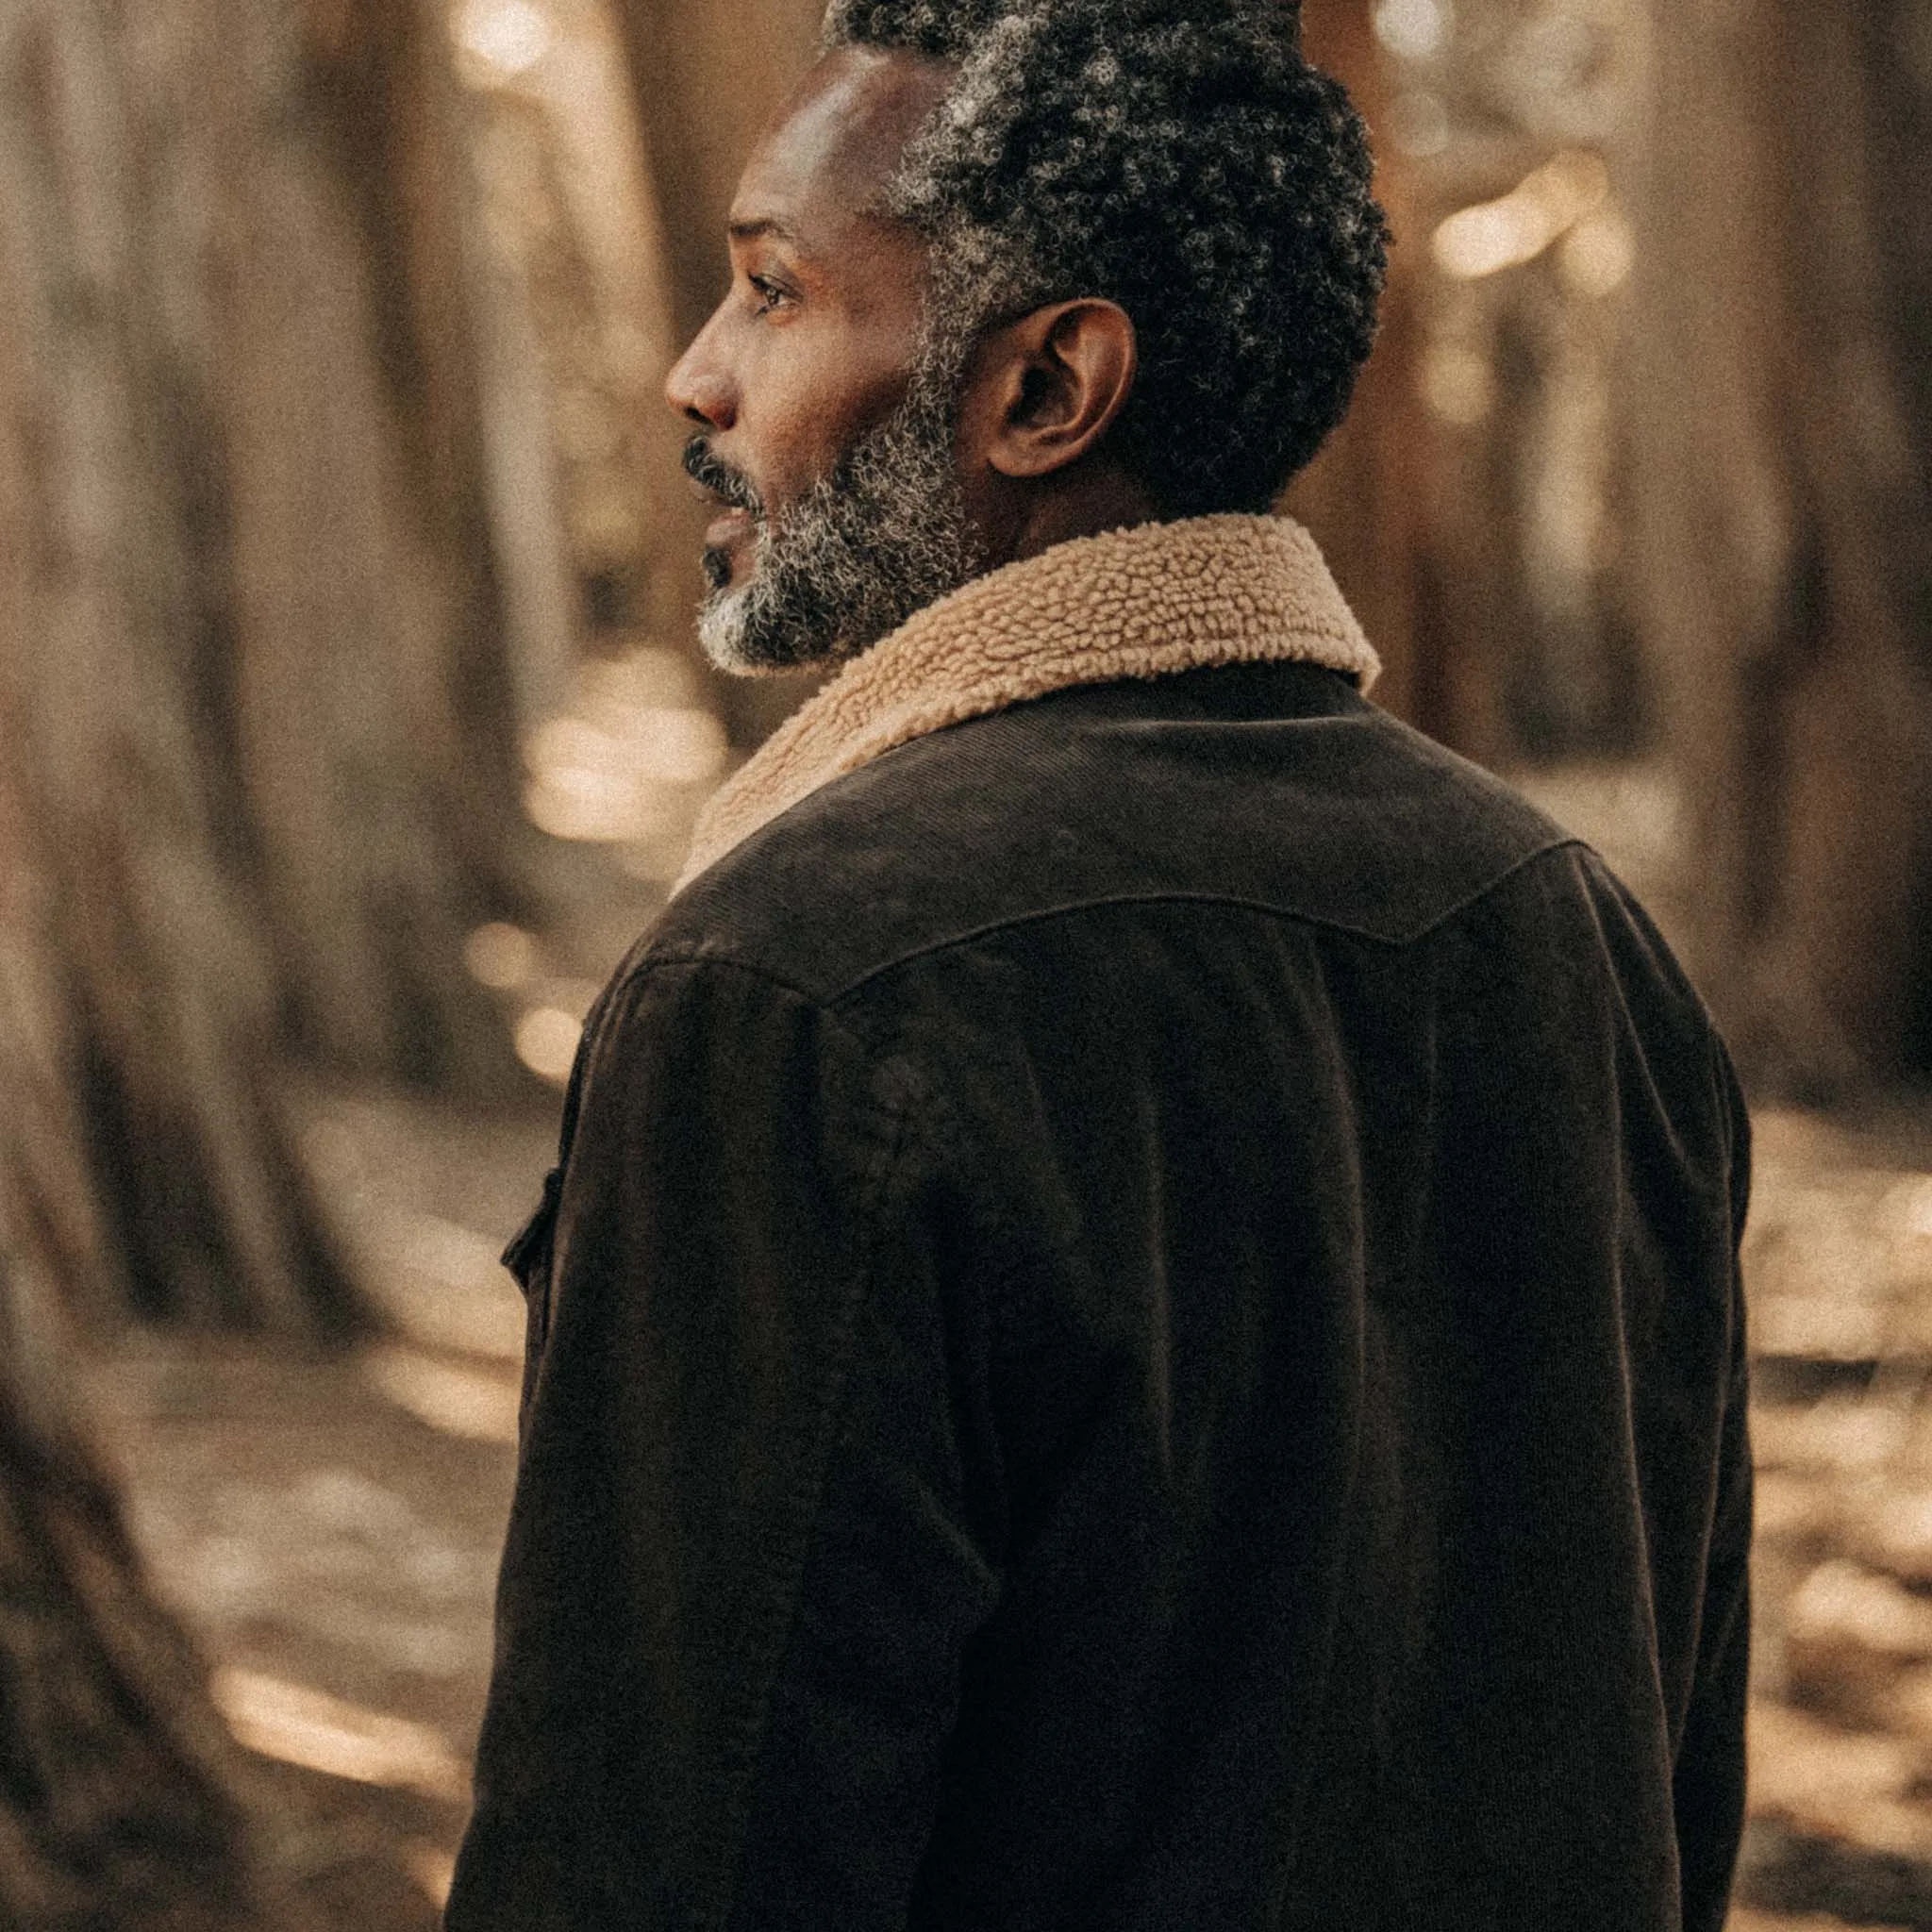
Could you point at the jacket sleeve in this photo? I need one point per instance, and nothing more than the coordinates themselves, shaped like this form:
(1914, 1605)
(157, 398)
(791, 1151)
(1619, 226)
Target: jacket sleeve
(755, 1522)
(1709, 1775)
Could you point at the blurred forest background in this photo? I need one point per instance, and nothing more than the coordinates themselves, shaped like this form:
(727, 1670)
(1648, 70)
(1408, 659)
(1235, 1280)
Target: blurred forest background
(351, 726)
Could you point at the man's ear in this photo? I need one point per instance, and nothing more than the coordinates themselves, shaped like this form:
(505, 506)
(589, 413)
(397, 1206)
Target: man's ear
(1051, 384)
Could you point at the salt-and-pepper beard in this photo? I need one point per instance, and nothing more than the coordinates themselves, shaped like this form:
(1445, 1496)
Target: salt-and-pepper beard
(882, 535)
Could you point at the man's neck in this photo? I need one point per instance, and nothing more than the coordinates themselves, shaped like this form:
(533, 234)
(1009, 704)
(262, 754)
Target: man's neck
(1082, 503)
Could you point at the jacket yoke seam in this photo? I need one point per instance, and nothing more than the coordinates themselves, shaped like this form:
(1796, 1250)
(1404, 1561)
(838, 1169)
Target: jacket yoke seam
(1239, 901)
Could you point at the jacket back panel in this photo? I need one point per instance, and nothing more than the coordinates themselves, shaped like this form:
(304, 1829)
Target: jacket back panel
(1328, 1189)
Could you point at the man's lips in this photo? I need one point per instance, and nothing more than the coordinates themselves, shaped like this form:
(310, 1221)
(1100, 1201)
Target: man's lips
(728, 527)
(729, 497)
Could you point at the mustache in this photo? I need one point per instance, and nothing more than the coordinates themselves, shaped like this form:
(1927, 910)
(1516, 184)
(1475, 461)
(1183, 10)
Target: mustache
(706, 467)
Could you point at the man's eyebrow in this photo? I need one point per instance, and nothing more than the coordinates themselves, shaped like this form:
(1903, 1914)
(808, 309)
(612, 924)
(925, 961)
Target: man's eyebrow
(756, 226)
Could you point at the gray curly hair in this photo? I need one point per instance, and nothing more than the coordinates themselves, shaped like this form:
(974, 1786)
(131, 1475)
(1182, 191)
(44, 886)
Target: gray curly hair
(1180, 157)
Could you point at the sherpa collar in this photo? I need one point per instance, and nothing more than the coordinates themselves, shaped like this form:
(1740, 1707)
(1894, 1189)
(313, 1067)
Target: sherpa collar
(1139, 603)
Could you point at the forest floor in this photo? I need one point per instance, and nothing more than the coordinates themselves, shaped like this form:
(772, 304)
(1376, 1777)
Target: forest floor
(329, 1529)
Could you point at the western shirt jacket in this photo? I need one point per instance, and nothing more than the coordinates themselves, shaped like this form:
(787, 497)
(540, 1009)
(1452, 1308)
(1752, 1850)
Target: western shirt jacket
(1139, 1330)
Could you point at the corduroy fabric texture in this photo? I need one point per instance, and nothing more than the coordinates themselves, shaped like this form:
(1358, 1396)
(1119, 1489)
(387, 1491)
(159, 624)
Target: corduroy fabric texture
(1135, 603)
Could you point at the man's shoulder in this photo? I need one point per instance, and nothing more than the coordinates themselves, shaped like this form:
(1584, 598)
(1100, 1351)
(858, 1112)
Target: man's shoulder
(1276, 788)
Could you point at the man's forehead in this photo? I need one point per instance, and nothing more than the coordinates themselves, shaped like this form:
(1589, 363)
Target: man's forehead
(836, 140)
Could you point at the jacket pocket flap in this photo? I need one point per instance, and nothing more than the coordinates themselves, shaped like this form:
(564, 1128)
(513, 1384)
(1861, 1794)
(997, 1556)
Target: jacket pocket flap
(528, 1253)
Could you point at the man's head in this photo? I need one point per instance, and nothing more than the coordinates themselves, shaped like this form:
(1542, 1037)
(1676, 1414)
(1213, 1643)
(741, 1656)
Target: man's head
(1006, 270)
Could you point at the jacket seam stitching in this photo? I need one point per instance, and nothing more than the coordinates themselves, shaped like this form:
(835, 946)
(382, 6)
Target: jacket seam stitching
(784, 1578)
(785, 1572)
(638, 970)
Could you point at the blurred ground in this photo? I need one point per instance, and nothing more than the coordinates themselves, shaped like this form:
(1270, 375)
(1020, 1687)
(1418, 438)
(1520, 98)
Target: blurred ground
(330, 1529)
(1838, 1263)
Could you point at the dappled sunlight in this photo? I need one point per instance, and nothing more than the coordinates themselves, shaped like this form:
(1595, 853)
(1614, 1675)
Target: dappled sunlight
(630, 763)
(460, 1399)
(432, 1867)
(1839, 1269)
(500, 956)
(444, 1285)
(303, 1725)
(501, 38)
(1516, 227)
(547, 1039)
(623, 774)
(1413, 29)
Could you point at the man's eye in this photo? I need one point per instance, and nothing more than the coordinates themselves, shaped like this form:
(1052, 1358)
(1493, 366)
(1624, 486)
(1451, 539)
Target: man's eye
(769, 293)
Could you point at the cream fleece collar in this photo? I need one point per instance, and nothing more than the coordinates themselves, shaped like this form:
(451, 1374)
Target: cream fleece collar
(1139, 603)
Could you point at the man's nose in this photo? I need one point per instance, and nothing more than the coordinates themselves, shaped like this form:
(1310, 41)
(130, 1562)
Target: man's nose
(698, 387)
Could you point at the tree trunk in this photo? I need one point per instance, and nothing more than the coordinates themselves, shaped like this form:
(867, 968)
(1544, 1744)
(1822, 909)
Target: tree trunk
(118, 1783)
(1781, 403)
(157, 992)
(182, 608)
(116, 1808)
(372, 729)
(254, 681)
(114, 1805)
(1361, 497)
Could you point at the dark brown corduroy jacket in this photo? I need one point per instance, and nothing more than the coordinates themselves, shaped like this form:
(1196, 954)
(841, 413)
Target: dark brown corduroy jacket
(1139, 1330)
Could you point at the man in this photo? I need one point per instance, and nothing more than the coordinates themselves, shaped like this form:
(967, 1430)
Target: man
(1139, 1326)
